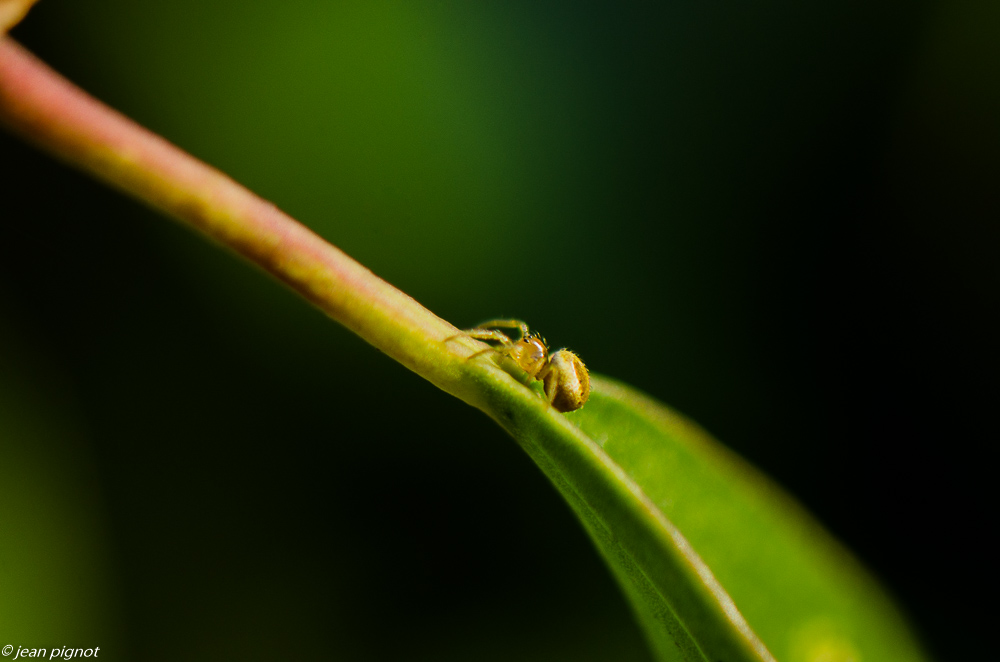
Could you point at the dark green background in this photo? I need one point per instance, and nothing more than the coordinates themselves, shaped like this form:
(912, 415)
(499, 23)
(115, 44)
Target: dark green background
(780, 218)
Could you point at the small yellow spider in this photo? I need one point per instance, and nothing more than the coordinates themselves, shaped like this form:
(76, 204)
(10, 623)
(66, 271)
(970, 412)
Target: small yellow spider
(564, 377)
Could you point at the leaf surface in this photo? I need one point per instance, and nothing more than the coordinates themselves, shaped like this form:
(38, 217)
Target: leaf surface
(718, 563)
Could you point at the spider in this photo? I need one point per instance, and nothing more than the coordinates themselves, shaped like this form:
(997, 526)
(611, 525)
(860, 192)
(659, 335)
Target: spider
(564, 377)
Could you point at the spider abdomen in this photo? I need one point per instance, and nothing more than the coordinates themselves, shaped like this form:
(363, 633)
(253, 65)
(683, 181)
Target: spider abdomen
(567, 382)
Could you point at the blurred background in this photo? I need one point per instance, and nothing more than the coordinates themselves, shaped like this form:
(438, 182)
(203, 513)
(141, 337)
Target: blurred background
(779, 218)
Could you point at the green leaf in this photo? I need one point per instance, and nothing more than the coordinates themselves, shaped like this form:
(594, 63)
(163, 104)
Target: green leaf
(718, 563)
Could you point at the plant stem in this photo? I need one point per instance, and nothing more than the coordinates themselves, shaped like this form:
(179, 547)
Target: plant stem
(46, 109)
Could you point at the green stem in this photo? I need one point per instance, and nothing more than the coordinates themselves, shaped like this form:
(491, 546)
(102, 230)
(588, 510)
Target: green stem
(46, 109)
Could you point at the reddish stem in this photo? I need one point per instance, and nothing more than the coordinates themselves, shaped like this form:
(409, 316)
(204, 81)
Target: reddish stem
(48, 110)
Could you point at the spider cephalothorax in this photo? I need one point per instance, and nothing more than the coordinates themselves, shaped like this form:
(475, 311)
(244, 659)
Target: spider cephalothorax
(564, 377)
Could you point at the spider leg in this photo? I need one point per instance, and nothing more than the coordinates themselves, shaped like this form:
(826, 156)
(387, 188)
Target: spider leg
(546, 369)
(482, 333)
(489, 335)
(505, 324)
(484, 351)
